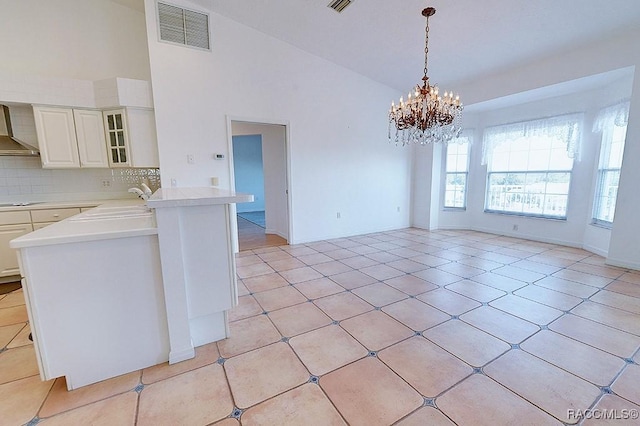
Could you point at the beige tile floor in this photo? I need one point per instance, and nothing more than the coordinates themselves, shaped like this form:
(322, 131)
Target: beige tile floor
(408, 327)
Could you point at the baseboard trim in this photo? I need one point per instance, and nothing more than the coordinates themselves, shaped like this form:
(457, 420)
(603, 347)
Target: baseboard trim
(181, 355)
(596, 250)
(529, 237)
(623, 264)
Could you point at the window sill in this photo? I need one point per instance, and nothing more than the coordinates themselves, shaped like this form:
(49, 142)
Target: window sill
(528, 216)
(602, 225)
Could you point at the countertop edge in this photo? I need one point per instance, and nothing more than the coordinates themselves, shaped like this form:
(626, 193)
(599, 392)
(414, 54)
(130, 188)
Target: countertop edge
(61, 204)
(188, 197)
(81, 238)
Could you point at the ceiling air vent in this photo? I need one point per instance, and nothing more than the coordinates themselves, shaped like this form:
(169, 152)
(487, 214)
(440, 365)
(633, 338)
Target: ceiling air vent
(340, 5)
(183, 26)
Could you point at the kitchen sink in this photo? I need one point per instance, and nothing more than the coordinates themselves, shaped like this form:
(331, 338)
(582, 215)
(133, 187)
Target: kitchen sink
(115, 212)
(19, 204)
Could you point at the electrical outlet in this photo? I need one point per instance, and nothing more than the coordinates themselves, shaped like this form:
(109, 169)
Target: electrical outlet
(106, 183)
(515, 227)
(338, 215)
(174, 182)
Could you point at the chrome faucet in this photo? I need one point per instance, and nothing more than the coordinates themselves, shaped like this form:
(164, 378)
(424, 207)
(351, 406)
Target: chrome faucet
(143, 193)
(139, 193)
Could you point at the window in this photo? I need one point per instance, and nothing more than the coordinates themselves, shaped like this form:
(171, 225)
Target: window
(529, 166)
(457, 169)
(612, 122)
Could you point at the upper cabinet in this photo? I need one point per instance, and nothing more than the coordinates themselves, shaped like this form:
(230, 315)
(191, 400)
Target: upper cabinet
(117, 138)
(90, 135)
(71, 138)
(131, 137)
(57, 137)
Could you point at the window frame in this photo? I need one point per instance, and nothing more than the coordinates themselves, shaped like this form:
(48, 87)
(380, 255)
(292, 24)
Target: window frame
(468, 143)
(544, 195)
(564, 128)
(606, 143)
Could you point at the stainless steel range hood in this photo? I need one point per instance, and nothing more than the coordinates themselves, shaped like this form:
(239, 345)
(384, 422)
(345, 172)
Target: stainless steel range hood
(9, 145)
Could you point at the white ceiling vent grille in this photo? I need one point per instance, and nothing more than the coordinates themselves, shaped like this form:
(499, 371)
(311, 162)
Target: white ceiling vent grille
(183, 26)
(340, 5)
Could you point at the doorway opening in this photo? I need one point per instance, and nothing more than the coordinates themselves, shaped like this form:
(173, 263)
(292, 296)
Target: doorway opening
(259, 166)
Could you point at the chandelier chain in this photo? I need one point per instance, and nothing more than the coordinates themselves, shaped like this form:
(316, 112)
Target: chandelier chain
(426, 50)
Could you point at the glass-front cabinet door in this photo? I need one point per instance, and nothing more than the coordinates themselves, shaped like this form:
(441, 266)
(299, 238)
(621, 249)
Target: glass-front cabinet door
(117, 138)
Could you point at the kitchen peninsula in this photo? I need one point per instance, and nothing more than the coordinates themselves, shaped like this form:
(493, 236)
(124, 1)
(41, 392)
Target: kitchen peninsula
(123, 287)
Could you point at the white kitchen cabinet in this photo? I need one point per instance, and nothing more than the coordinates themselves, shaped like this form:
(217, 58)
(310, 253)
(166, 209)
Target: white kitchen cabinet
(56, 137)
(43, 218)
(53, 215)
(12, 225)
(70, 138)
(131, 137)
(143, 138)
(92, 146)
(94, 321)
(117, 138)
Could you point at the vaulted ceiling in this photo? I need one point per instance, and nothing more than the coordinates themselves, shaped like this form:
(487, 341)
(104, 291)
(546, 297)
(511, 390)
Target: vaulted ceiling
(468, 39)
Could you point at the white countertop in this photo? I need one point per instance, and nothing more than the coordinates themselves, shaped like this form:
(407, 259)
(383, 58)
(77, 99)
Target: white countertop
(57, 205)
(92, 225)
(185, 197)
(88, 226)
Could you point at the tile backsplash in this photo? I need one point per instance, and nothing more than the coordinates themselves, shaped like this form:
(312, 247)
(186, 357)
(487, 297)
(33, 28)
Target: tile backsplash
(22, 179)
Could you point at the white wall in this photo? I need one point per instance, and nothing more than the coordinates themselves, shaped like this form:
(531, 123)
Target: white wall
(425, 187)
(274, 157)
(624, 249)
(340, 158)
(78, 39)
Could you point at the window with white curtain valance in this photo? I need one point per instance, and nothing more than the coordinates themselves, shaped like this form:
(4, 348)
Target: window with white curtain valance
(612, 123)
(614, 115)
(565, 128)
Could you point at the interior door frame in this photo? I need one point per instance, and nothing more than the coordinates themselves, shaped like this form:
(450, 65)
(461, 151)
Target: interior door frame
(232, 181)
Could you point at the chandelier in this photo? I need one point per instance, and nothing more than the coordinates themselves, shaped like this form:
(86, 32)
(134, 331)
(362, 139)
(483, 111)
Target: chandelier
(426, 117)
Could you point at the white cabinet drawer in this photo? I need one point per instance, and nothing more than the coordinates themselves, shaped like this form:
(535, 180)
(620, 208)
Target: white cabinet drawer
(8, 259)
(15, 217)
(53, 215)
